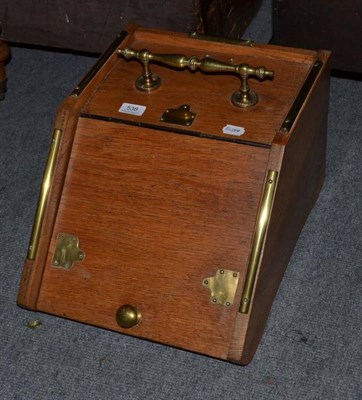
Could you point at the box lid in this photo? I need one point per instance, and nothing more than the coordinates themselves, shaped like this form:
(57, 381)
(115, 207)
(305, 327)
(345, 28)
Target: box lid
(208, 95)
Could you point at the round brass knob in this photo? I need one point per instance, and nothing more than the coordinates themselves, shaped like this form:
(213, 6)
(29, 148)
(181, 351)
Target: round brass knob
(128, 316)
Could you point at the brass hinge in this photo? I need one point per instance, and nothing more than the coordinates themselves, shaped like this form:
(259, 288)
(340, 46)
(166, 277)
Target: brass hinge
(67, 251)
(44, 194)
(222, 286)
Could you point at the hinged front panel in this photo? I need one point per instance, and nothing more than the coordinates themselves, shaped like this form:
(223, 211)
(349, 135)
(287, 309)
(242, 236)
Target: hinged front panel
(155, 215)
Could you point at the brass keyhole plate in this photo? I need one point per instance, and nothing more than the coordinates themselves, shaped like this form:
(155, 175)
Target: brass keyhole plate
(179, 116)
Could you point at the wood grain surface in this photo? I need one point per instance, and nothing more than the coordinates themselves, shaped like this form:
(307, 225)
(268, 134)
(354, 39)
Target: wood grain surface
(156, 213)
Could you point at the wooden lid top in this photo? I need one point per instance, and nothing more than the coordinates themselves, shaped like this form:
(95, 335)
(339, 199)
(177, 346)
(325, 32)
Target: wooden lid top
(207, 94)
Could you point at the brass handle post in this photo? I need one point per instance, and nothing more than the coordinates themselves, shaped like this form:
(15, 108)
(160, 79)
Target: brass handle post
(244, 97)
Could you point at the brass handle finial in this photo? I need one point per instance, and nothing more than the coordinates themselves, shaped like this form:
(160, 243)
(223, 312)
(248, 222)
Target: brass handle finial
(244, 97)
(146, 82)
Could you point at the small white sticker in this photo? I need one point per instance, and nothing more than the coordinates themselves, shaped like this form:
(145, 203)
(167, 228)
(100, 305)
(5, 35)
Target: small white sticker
(233, 130)
(134, 109)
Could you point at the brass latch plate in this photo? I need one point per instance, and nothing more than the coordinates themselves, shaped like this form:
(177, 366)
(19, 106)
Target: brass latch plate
(222, 287)
(67, 251)
(179, 116)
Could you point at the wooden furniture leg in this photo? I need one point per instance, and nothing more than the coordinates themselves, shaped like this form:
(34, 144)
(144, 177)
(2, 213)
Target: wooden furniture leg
(4, 55)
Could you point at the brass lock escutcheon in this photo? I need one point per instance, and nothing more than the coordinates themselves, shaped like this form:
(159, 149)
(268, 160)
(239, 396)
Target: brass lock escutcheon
(244, 97)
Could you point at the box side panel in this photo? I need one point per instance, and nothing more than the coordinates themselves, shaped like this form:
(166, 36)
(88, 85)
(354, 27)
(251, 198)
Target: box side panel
(301, 164)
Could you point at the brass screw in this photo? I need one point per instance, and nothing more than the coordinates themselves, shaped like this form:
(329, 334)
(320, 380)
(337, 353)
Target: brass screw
(221, 271)
(228, 303)
(206, 282)
(214, 300)
(235, 275)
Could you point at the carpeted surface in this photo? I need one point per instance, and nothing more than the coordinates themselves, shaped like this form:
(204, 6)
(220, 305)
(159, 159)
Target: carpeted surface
(311, 348)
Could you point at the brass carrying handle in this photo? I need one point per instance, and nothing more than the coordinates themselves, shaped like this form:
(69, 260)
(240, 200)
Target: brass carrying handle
(244, 97)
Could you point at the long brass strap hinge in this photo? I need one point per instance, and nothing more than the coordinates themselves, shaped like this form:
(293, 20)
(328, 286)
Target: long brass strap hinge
(259, 240)
(44, 194)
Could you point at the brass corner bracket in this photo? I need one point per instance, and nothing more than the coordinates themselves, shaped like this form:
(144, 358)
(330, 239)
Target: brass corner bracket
(67, 251)
(222, 287)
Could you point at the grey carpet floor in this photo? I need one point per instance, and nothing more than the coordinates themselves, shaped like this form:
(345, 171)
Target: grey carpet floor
(311, 348)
